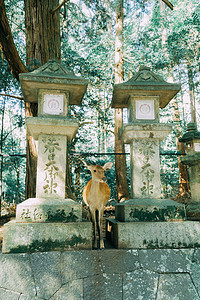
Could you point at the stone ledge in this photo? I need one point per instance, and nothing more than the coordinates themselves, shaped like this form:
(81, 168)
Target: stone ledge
(153, 235)
(88, 275)
(49, 210)
(154, 210)
(33, 237)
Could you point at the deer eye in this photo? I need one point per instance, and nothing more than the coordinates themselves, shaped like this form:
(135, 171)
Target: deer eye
(94, 170)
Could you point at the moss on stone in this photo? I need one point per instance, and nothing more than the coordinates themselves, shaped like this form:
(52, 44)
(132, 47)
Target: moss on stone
(157, 215)
(49, 245)
(60, 216)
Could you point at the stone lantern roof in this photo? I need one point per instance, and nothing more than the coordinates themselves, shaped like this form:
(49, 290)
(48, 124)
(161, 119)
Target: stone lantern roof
(145, 83)
(191, 134)
(53, 76)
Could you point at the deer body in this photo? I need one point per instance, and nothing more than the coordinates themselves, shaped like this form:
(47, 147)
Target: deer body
(96, 194)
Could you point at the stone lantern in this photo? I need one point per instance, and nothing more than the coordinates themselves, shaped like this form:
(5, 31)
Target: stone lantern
(192, 158)
(49, 221)
(146, 220)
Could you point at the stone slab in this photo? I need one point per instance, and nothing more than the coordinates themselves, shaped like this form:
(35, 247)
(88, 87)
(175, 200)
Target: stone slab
(132, 131)
(49, 210)
(152, 235)
(46, 269)
(53, 125)
(109, 274)
(69, 291)
(167, 260)
(178, 285)
(155, 210)
(193, 211)
(103, 286)
(8, 295)
(16, 274)
(33, 237)
(140, 284)
(51, 166)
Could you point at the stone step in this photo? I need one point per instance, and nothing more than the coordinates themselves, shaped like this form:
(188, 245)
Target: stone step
(153, 235)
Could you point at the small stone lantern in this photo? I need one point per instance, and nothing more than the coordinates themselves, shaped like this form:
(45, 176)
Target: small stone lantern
(146, 220)
(192, 158)
(49, 221)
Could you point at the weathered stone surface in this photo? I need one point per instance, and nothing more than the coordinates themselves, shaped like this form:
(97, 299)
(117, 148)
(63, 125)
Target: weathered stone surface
(166, 260)
(8, 295)
(32, 237)
(153, 235)
(145, 168)
(51, 166)
(119, 261)
(140, 284)
(104, 286)
(144, 82)
(109, 274)
(27, 297)
(49, 210)
(134, 210)
(16, 274)
(80, 264)
(46, 271)
(193, 210)
(70, 291)
(145, 130)
(176, 286)
(56, 126)
(53, 75)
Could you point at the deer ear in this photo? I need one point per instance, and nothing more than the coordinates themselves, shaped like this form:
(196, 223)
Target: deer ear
(108, 166)
(89, 167)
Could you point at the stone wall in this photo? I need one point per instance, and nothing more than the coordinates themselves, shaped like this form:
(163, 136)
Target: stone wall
(101, 274)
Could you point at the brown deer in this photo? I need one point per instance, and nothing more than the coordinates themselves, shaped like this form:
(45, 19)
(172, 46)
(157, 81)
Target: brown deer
(95, 195)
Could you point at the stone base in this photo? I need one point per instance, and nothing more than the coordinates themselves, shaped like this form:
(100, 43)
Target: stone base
(153, 235)
(154, 210)
(32, 237)
(49, 210)
(193, 211)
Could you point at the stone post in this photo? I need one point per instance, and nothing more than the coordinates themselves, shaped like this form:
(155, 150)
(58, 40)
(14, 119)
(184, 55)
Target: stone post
(192, 158)
(49, 221)
(146, 220)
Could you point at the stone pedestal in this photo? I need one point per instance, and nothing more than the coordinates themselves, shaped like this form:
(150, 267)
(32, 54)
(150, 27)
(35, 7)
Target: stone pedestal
(53, 236)
(193, 161)
(153, 235)
(49, 221)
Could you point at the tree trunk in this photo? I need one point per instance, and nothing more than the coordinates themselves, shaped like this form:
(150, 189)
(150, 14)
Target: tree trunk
(7, 44)
(1, 150)
(184, 188)
(42, 32)
(42, 44)
(120, 160)
(191, 93)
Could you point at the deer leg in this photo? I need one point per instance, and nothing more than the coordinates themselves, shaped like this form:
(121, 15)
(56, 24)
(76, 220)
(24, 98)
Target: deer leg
(100, 229)
(93, 218)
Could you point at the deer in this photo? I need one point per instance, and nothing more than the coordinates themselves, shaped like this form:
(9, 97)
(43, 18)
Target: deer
(96, 195)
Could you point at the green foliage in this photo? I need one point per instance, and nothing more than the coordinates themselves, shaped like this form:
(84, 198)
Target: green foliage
(167, 41)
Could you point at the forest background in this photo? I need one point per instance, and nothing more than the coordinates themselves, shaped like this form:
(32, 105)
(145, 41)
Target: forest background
(167, 41)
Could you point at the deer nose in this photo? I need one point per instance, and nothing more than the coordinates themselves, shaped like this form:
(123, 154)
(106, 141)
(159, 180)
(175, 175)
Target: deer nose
(104, 178)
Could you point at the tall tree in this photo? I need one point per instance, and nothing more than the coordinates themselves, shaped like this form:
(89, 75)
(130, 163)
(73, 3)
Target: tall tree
(120, 160)
(42, 25)
(42, 43)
